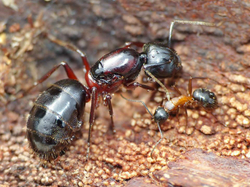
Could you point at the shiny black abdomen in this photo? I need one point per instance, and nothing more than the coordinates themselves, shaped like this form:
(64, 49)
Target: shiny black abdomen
(120, 63)
(162, 61)
(205, 98)
(55, 117)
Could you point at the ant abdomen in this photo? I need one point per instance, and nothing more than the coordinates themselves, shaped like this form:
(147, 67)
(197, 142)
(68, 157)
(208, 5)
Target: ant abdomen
(205, 98)
(162, 62)
(55, 117)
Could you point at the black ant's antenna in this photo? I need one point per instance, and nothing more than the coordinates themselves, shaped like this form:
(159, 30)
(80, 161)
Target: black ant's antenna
(160, 83)
(160, 116)
(191, 23)
(138, 101)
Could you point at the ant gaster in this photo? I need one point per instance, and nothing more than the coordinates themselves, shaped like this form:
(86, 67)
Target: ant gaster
(202, 97)
(56, 115)
(49, 136)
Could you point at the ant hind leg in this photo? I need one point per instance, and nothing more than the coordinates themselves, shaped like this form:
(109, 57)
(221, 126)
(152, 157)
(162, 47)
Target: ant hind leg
(67, 68)
(71, 47)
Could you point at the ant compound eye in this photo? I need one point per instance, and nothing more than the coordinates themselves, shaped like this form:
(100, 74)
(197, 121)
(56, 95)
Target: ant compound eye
(97, 70)
(160, 115)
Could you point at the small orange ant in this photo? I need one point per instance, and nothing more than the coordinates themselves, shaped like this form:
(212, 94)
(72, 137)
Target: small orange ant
(202, 97)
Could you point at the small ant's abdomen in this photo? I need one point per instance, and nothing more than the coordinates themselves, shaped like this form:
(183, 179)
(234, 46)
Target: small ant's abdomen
(169, 105)
(205, 98)
(55, 117)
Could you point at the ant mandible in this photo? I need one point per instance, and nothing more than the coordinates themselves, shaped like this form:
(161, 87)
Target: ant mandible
(201, 96)
(49, 136)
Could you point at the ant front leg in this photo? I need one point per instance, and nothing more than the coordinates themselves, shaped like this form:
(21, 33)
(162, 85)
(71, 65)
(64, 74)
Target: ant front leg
(92, 116)
(109, 104)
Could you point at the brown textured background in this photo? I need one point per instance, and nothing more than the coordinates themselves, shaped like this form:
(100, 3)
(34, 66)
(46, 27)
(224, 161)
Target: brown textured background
(205, 152)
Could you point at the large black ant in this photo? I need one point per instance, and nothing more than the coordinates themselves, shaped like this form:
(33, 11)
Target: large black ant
(201, 96)
(56, 114)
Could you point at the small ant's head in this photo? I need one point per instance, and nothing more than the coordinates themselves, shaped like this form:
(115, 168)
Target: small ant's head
(160, 115)
(162, 61)
(205, 98)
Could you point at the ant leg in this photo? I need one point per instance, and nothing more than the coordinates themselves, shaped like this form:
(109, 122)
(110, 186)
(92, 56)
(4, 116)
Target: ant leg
(111, 127)
(186, 116)
(160, 116)
(71, 47)
(91, 117)
(177, 90)
(223, 84)
(190, 86)
(67, 68)
(159, 141)
(136, 84)
(216, 120)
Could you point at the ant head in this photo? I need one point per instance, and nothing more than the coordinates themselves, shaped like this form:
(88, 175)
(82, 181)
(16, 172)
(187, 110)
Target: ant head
(205, 98)
(162, 61)
(160, 115)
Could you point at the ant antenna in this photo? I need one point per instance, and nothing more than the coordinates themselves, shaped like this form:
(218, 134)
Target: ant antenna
(159, 116)
(160, 83)
(159, 127)
(191, 23)
(138, 101)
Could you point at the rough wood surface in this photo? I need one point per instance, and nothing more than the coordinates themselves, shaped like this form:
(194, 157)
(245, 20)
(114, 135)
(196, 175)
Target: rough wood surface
(216, 146)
